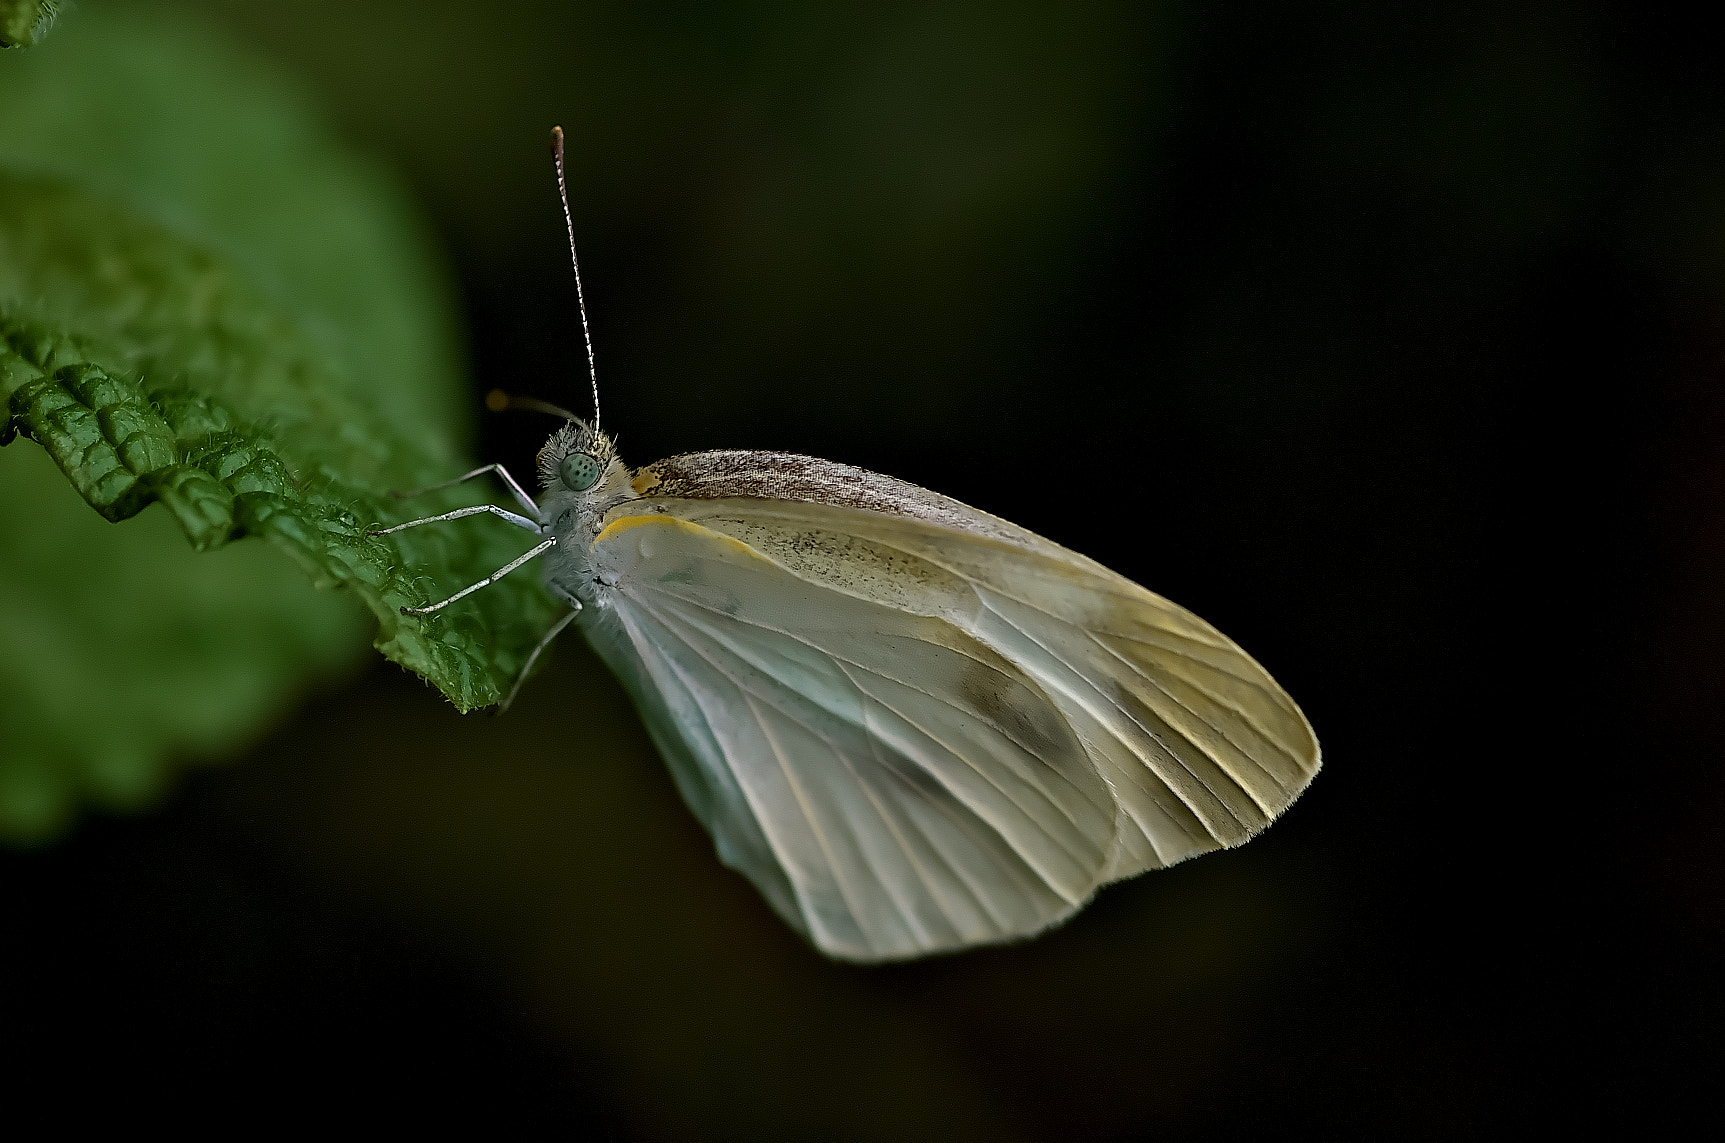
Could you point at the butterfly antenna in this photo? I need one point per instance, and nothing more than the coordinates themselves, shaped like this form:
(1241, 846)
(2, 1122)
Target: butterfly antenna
(580, 298)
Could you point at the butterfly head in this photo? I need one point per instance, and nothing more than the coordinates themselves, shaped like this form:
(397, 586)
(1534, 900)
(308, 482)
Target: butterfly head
(579, 468)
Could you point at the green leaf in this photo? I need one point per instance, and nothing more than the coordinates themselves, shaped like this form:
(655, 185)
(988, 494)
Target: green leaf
(207, 304)
(25, 22)
(151, 370)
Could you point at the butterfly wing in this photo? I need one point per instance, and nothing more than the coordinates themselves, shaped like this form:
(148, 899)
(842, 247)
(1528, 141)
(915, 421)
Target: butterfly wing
(892, 785)
(1199, 747)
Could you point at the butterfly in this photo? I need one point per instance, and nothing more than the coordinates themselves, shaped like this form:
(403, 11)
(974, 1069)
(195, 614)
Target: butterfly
(914, 726)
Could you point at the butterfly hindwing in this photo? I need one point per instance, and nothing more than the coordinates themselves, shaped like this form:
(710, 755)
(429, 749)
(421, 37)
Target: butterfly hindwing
(891, 783)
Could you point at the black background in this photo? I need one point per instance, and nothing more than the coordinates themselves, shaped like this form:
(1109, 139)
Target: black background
(1390, 341)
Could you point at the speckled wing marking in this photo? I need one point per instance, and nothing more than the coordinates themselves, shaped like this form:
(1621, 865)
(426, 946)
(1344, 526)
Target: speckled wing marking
(892, 785)
(742, 474)
(1199, 746)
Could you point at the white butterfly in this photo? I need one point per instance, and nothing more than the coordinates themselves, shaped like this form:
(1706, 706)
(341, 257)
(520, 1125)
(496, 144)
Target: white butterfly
(914, 726)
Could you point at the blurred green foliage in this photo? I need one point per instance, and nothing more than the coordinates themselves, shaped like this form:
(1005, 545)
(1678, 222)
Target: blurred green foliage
(205, 301)
(121, 652)
(25, 22)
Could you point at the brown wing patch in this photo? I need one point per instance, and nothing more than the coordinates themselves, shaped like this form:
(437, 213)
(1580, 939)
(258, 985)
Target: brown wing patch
(748, 475)
(780, 476)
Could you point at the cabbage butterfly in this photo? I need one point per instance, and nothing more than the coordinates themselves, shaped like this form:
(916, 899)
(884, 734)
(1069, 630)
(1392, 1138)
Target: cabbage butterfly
(914, 726)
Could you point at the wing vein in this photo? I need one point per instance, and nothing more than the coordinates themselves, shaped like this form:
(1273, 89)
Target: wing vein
(842, 660)
(797, 791)
(1244, 715)
(751, 698)
(1124, 713)
(943, 812)
(694, 693)
(928, 883)
(1274, 697)
(1221, 765)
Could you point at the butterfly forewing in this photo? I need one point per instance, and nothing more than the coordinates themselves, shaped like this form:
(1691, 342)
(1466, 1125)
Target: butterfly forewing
(1198, 745)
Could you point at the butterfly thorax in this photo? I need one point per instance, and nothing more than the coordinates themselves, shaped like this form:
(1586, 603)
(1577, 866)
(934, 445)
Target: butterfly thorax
(583, 479)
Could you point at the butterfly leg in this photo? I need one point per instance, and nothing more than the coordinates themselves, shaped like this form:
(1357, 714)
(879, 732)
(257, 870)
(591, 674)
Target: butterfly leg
(534, 553)
(519, 521)
(515, 489)
(556, 630)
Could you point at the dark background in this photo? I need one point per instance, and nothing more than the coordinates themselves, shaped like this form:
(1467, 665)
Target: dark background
(1387, 338)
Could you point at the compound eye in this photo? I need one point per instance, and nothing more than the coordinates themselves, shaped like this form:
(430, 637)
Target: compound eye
(579, 471)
